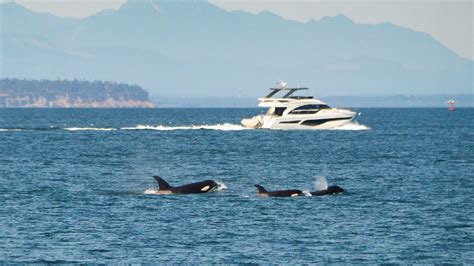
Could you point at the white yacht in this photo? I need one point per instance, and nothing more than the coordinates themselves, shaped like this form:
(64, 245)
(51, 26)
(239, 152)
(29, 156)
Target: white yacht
(297, 112)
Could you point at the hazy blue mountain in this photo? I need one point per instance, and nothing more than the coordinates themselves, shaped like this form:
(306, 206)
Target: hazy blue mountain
(193, 48)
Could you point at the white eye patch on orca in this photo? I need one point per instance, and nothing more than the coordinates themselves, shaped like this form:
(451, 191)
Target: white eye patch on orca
(206, 188)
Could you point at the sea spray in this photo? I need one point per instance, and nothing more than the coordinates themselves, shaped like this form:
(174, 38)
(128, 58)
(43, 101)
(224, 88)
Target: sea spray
(150, 191)
(321, 183)
(352, 126)
(221, 186)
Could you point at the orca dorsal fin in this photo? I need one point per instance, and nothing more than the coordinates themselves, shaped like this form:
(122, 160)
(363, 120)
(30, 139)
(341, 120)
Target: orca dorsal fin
(260, 189)
(162, 184)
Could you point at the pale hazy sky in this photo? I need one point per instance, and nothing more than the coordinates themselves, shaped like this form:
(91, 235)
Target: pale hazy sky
(449, 21)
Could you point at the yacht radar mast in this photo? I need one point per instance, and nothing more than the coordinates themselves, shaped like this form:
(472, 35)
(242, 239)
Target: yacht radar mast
(283, 86)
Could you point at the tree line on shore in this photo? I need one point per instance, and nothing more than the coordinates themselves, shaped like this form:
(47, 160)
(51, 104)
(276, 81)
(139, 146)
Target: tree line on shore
(73, 89)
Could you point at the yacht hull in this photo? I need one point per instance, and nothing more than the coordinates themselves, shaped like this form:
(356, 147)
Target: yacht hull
(254, 122)
(299, 125)
(306, 124)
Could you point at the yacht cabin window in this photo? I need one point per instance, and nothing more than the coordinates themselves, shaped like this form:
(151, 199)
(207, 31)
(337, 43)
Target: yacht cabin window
(309, 109)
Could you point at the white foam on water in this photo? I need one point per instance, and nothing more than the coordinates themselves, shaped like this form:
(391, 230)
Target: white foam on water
(222, 127)
(307, 193)
(150, 191)
(321, 183)
(10, 129)
(352, 126)
(220, 186)
(89, 129)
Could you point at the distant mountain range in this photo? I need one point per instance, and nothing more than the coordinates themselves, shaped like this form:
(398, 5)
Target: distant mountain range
(195, 49)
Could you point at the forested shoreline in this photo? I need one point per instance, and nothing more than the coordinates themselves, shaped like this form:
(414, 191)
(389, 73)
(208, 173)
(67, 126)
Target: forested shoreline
(70, 93)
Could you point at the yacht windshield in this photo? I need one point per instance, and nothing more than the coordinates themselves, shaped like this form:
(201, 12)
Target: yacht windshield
(309, 109)
(289, 92)
(278, 111)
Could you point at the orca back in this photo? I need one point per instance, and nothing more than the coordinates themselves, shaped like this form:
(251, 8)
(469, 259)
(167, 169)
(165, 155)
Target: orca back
(260, 189)
(198, 187)
(285, 193)
(330, 190)
(162, 184)
(335, 189)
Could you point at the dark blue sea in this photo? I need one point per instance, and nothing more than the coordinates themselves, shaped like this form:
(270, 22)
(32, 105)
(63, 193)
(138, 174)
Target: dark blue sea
(76, 186)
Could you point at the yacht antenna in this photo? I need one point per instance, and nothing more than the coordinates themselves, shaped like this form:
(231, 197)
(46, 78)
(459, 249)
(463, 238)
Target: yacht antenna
(282, 85)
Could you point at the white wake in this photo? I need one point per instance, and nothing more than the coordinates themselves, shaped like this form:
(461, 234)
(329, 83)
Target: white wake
(89, 129)
(352, 126)
(222, 127)
(10, 129)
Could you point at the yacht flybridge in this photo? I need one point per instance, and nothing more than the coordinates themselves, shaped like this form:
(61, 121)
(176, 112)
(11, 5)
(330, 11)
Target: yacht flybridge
(296, 112)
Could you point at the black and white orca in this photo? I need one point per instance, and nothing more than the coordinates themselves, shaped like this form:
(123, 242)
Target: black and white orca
(193, 188)
(261, 191)
(330, 190)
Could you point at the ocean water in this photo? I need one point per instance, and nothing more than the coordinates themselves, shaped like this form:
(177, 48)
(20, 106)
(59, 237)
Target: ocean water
(76, 186)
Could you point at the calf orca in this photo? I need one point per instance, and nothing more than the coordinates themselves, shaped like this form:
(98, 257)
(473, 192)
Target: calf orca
(261, 191)
(330, 190)
(198, 187)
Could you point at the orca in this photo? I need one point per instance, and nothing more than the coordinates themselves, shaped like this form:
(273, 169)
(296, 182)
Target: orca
(261, 191)
(330, 190)
(193, 188)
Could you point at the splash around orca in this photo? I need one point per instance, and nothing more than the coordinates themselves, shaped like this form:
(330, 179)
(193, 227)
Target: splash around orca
(262, 192)
(330, 190)
(193, 188)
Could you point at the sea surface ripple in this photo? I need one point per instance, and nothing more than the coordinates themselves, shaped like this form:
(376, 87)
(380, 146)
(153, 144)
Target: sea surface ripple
(75, 187)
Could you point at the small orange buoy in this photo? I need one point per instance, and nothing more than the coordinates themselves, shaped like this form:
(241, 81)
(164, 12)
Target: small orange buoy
(451, 105)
